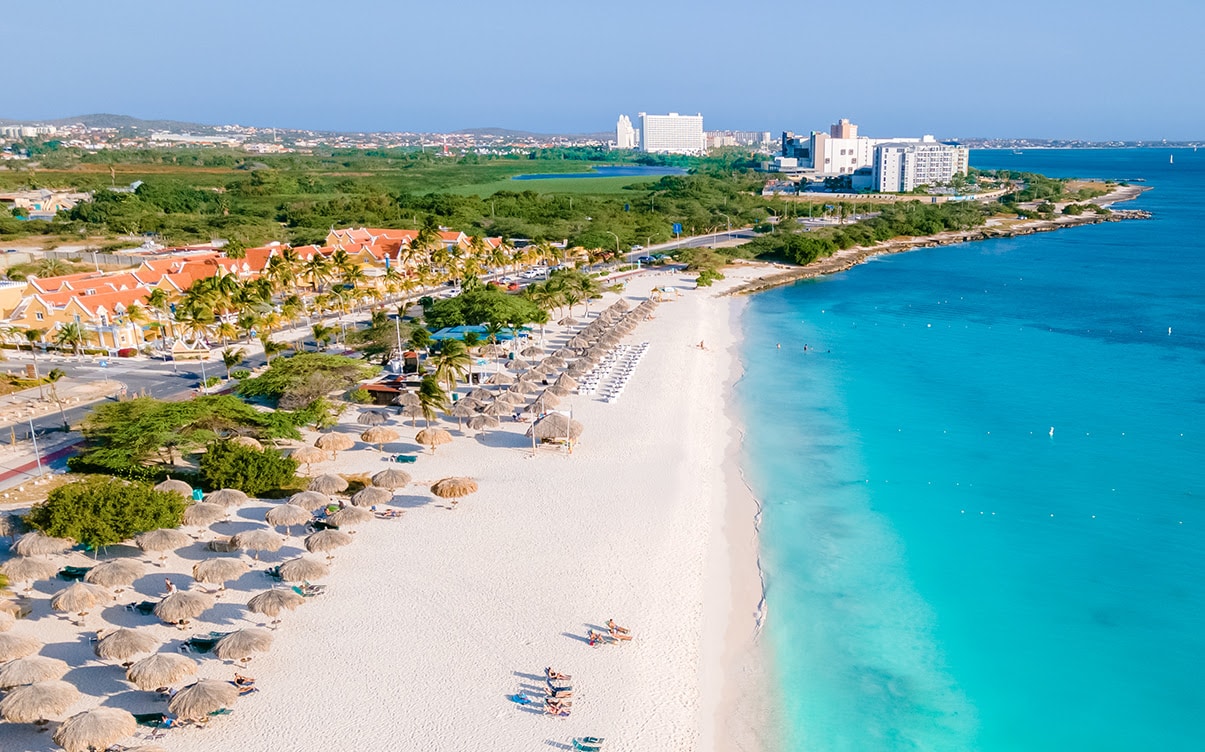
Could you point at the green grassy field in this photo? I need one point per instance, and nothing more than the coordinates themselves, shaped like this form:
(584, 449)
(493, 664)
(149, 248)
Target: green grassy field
(578, 186)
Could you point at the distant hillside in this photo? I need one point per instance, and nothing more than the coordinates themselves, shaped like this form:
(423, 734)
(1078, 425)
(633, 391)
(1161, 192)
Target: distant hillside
(105, 120)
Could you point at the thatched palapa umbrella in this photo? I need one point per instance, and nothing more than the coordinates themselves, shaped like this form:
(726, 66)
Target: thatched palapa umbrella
(218, 571)
(38, 544)
(248, 442)
(518, 364)
(228, 497)
(407, 399)
(272, 602)
(202, 514)
(433, 437)
(257, 541)
(326, 541)
(160, 670)
(350, 516)
(176, 486)
(391, 478)
(498, 408)
(482, 422)
(28, 568)
(36, 702)
(413, 412)
(465, 408)
(370, 496)
(95, 729)
(196, 701)
(13, 646)
(555, 426)
(334, 443)
(30, 669)
(308, 455)
(379, 435)
(241, 644)
(454, 488)
(328, 484)
(221, 546)
(78, 598)
(565, 381)
(309, 499)
(179, 607)
(287, 515)
(568, 321)
(372, 418)
(481, 395)
(499, 379)
(7, 620)
(302, 569)
(510, 399)
(162, 540)
(123, 644)
(118, 573)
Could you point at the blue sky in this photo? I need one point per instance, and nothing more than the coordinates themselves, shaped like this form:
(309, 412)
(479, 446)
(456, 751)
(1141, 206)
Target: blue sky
(1053, 69)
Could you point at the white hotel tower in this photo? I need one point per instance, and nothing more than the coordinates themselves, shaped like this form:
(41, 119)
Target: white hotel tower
(672, 134)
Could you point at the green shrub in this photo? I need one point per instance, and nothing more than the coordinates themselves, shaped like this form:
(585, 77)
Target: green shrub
(239, 374)
(252, 471)
(102, 511)
(707, 277)
(360, 396)
(213, 381)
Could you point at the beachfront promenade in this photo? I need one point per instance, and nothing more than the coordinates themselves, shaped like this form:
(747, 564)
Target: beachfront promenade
(430, 621)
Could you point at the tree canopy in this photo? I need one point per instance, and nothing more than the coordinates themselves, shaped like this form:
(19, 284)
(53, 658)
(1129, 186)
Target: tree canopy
(101, 511)
(481, 305)
(292, 383)
(253, 471)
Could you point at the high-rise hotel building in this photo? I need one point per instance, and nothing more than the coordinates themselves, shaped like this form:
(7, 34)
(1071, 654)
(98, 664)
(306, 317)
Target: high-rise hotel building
(672, 134)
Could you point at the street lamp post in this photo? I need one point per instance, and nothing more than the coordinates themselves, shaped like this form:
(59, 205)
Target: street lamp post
(36, 454)
(617, 251)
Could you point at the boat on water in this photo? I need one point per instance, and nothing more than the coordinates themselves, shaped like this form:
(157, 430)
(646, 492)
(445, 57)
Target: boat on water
(1171, 158)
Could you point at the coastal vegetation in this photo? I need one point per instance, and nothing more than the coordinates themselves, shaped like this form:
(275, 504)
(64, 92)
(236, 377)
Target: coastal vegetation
(295, 383)
(226, 464)
(99, 511)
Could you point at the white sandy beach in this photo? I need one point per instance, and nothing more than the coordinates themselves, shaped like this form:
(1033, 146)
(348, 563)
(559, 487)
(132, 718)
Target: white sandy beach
(430, 621)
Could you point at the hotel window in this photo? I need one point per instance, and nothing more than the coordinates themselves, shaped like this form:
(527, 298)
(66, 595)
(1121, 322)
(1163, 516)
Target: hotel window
(39, 315)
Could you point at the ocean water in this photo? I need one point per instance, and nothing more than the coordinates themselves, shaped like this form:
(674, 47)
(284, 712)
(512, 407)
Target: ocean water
(944, 572)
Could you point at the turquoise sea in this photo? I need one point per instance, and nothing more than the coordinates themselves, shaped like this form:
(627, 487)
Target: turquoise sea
(943, 572)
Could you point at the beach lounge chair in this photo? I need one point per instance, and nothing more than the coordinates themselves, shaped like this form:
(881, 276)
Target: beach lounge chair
(146, 608)
(73, 573)
(201, 643)
(273, 572)
(405, 458)
(150, 720)
(322, 525)
(588, 743)
(308, 590)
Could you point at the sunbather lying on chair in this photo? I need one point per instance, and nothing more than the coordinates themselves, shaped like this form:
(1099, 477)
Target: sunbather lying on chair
(553, 707)
(554, 676)
(611, 625)
(559, 692)
(620, 636)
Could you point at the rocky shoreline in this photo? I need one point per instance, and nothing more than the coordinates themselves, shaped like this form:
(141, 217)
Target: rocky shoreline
(847, 259)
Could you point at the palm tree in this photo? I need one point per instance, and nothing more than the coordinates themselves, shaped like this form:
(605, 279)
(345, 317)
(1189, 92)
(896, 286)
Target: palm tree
(158, 299)
(322, 336)
(226, 331)
(32, 336)
(52, 379)
(431, 398)
(452, 362)
(318, 269)
(271, 348)
(231, 357)
(49, 267)
(71, 335)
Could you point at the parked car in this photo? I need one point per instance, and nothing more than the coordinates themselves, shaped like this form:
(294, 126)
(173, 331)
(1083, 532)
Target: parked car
(512, 286)
(637, 247)
(646, 259)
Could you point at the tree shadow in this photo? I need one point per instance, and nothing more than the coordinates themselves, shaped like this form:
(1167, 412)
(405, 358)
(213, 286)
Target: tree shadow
(410, 502)
(579, 638)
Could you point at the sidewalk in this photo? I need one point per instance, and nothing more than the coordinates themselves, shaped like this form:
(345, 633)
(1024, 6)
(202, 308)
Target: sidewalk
(19, 466)
(21, 407)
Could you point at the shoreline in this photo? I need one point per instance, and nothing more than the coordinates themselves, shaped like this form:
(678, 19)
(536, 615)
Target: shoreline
(849, 258)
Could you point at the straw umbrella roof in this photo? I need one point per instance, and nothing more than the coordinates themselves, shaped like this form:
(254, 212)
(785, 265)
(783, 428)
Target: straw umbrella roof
(412, 411)
(124, 644)
(308, 455)
(565, 381)
(247, 441)
(203, 513)
(7, 620)
(482, 422)
(38, 701)
(241, 644)
(372, 418)
(310, 499)
(555, 426)
(433, 437)
(391, 478)
(499, 379)
(302, 569)
(28, 569)
(464, 408)
(77, 598)
(523, 387)
(116, 573)
(163, 539)
(545, 399)
(349, 516)
(454, 488)
(13, 646)
(196, 701)
(328, 484)
(568, 321)
(511, 398)
(565, 353)
(406, 399)
(325, 541)
(334, 442)
(558, 391)
(497, 408)
(518, 364)
(379, 435)
(175, 486)
(228, 497)
(371, 495)
(38, 544)
(257, 540)
(531, 352)
(160, 670)
(98, 728)
(219, 570)
(481, 395)
(287, 515)
(30, 669)
(182, 605)
(272, 602)
(221, 546)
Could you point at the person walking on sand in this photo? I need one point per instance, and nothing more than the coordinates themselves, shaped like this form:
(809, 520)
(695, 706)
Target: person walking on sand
(171, 586)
